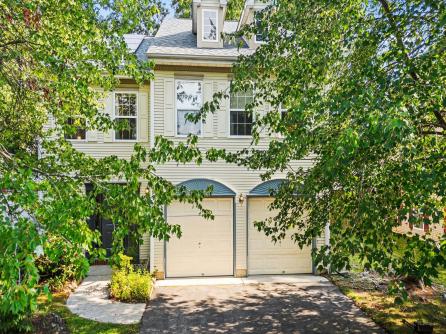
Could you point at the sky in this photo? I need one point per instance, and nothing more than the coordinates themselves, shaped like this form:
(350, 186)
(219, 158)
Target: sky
(168, 5)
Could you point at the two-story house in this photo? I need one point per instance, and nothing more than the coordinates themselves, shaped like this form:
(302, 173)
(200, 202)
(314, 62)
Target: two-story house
(192, 63)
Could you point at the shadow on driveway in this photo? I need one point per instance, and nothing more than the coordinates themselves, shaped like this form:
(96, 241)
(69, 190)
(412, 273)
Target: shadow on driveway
(254, 308)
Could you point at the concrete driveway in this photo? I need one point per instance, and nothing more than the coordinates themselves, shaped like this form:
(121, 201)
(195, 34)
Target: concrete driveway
(314, 306)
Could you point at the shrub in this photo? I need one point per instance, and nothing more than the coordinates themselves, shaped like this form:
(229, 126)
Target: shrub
(61, 263)
(130, 285)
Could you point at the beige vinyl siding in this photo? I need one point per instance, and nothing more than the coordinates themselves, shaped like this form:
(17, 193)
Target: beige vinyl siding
(239, 179)
(100, 145)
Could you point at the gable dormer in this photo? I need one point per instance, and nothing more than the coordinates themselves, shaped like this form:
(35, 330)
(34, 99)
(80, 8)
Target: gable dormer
(248, 16)
(207, 22)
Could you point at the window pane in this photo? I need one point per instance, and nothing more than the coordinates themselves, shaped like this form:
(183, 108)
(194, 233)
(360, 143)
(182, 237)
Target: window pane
(184, 126)
(241, 123)
(210, 25)
(127, 129)
(125, 104)
(189, 95)
(261, 33)
(76, 129)
(239, 100)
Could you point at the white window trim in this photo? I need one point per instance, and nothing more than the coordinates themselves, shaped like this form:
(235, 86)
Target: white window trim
(255, 36)
(229, 121)
(117, 117)
(216, 25)
(176, 108)
(258, 42)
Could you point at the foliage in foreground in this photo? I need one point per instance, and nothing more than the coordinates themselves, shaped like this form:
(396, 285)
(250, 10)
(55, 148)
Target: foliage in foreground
(60, 264)
(182, 9)
(130, 285)
(363, 86)
(57, 59)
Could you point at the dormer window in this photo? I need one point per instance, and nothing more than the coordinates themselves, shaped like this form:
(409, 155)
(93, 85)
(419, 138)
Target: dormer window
(210, 25)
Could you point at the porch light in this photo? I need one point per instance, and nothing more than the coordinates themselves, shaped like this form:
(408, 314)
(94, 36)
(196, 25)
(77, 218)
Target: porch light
(241, 198)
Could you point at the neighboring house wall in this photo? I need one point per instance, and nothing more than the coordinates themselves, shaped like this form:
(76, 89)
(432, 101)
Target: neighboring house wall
(434, 231)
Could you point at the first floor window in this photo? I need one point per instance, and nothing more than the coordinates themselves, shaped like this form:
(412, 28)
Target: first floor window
(75, 129)
(188, 101)
(240, 119)
(126, 116)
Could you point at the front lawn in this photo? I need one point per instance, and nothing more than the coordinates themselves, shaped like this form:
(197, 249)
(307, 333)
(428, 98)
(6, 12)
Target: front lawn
(369, 293)
(74, 323)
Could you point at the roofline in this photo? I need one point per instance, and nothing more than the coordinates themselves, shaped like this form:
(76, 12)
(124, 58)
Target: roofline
(177, 56)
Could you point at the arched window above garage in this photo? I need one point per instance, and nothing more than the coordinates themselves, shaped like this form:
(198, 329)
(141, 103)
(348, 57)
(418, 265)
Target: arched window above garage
(266, 188)
(218, 189)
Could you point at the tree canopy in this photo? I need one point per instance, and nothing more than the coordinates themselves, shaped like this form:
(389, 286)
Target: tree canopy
(182, 9)
(363, 87)
(57, 60)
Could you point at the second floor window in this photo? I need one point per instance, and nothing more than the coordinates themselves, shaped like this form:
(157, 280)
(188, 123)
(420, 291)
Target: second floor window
(76, 129)
(260, 36)
(240, 119)
(189, 101)
(210, 31)
(126, 116)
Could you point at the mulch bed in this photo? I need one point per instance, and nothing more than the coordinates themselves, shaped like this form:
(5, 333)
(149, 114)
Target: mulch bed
(50, 323)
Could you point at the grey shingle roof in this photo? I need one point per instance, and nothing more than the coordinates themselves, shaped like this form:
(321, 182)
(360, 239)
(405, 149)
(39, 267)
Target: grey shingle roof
(175, 39)
(133, 41)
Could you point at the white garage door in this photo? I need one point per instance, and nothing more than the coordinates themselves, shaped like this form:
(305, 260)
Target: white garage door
(206, 246)
(265, 257)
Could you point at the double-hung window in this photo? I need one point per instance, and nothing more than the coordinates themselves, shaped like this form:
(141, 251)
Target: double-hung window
(189, 101)
(126, 116)
(210, 25)
(76, 129)
(240, 119)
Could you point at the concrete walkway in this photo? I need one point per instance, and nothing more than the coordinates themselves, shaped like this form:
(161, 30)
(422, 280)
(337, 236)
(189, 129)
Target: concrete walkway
(90, 300)
(258, 279)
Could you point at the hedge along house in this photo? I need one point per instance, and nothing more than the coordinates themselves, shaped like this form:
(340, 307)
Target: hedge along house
(192, 62)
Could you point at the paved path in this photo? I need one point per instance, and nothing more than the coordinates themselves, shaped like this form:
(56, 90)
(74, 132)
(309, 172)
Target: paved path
(258, 306)
(90, 300)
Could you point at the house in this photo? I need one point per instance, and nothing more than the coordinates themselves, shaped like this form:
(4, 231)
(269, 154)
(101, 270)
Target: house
(192, 60)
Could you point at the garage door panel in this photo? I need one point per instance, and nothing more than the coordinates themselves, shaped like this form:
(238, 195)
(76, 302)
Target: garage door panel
(206, 246)
(267, 257)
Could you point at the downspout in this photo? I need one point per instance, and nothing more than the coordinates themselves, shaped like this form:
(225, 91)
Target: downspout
(327, 239)
(327, 234)
(152, 144)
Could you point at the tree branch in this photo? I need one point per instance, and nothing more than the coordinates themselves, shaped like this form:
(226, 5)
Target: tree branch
(400, 42)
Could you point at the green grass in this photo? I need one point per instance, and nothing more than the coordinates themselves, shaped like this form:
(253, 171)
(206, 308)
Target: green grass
(441, 279)
(382, 309)
(80, 325)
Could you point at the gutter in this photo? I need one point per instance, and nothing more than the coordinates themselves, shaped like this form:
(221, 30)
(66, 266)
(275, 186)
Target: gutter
(176, 56)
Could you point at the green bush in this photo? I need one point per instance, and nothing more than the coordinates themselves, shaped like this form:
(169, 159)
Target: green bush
(61, 263)
(130, 285)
